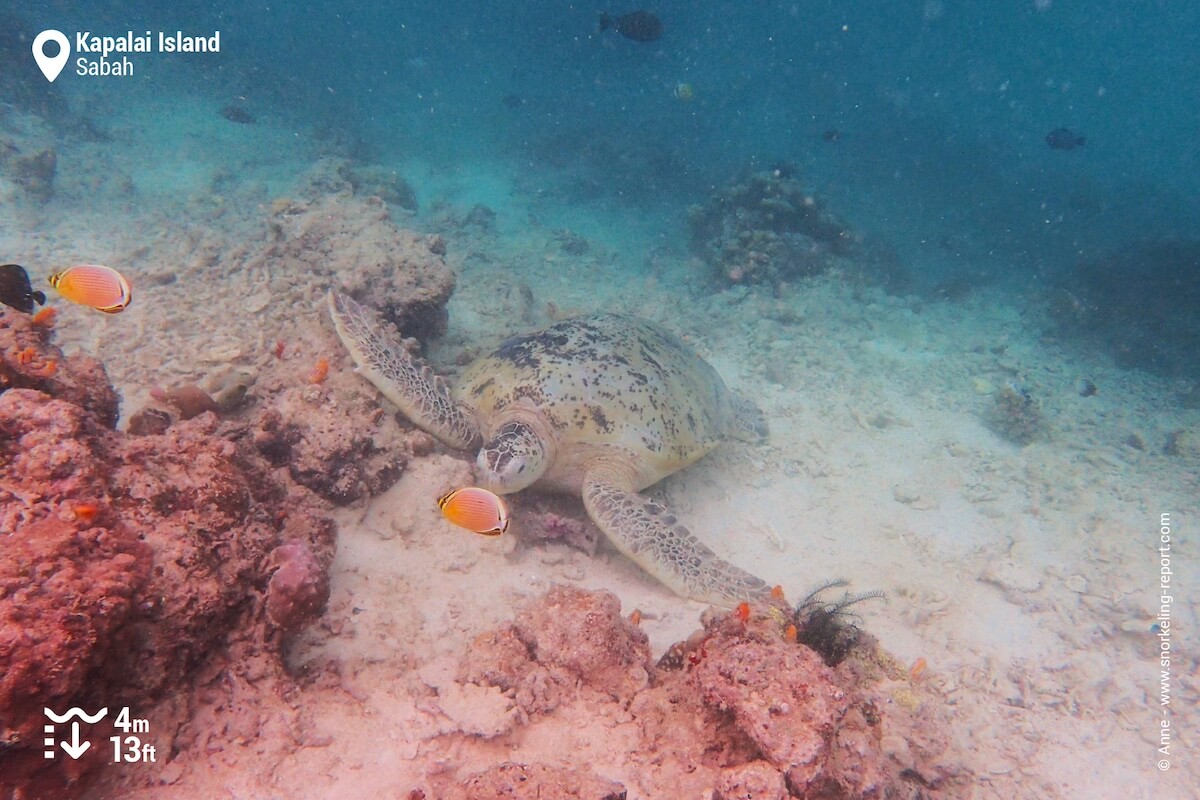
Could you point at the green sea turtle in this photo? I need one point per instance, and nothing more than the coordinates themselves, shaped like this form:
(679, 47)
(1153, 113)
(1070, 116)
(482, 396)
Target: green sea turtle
(601, 406)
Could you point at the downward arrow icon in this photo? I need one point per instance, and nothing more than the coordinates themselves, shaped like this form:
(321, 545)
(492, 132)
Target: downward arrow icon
(74, 748)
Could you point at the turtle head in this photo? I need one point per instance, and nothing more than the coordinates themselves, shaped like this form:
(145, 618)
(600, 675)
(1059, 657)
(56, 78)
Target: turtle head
(512, 459)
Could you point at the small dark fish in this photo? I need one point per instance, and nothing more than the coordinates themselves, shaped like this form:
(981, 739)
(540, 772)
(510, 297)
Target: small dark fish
(512, 101)
(16, 291)
(1064, 139)
(238, 114)
(640, 26)
(832, 135)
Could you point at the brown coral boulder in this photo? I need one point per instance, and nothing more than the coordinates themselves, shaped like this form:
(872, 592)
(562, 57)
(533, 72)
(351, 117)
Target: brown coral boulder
(766, 227)
(327, 448)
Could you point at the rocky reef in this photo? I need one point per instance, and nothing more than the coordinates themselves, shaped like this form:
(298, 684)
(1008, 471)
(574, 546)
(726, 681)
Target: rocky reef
(768, 227)
(1141, 303)
(340, 225)
(740, 709)
(127, 561)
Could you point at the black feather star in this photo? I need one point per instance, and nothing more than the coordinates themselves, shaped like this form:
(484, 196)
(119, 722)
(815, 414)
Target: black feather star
(828, 628)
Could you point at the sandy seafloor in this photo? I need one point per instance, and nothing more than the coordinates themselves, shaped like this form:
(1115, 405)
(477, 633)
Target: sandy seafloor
(1026, 577)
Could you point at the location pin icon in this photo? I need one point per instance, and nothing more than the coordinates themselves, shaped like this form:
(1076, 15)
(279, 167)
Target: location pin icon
(51, 65)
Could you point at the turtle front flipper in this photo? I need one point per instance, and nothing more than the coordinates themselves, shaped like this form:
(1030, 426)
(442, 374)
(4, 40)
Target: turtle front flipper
(421, 395)
(648, 533)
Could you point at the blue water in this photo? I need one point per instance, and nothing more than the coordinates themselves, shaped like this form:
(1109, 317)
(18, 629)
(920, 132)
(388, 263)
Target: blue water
(943, 106)
(922, 125)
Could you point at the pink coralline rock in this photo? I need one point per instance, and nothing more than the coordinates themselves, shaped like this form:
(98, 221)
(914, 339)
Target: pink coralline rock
(566, 639)
(28, 360)
(531, 782)
(501, 659)
(736, 711)
(584, 634)
(68, 595)
(556, 518)
(782, 698)
(299, 587)
(126, 561)
(754, 780)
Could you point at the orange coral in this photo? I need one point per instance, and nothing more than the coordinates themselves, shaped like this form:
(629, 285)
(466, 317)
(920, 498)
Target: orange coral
(85, 512)
(45, 317)
(320, 371)
(36, 366)
(45, 369)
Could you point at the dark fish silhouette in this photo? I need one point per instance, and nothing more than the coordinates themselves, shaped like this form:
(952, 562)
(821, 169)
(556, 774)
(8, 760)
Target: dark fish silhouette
(16, 290)
(641, 26)
(1064, 139)
(237, 114)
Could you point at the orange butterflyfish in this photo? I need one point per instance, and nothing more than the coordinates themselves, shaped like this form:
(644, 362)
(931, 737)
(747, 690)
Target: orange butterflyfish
(102, 288)
(476, 510)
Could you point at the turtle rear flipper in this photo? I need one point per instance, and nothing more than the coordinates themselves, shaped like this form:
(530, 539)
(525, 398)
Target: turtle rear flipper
(421, 395)
(648, 533)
